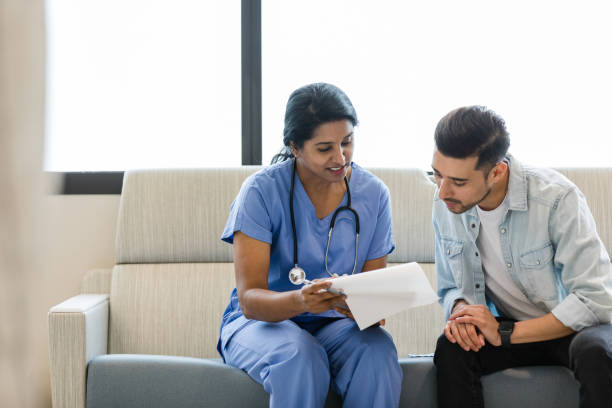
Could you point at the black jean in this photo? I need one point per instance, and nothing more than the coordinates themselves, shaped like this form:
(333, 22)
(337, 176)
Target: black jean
(588, 354)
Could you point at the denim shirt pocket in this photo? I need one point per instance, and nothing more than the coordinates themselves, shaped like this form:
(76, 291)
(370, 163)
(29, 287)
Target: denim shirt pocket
(453, 251)
(538, 268)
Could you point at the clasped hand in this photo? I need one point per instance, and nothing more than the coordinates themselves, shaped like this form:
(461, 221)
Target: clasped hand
(470, 325)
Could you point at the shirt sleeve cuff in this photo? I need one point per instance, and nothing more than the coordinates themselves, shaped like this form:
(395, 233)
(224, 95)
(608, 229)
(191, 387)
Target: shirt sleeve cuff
(253, 231)
(380, 253)
(450, 297)
(574, 314)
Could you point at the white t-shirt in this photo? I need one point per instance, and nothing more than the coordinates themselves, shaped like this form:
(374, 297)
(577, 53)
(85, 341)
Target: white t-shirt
(499, 286)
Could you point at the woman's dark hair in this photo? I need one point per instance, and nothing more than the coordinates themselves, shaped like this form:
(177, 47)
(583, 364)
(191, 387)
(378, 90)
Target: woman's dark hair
(473, 131)
(309, 107)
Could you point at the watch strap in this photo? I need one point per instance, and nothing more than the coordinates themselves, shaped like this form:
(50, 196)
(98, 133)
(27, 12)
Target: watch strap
(505, 329)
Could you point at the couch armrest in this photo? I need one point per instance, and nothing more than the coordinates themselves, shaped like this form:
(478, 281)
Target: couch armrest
(78, 331)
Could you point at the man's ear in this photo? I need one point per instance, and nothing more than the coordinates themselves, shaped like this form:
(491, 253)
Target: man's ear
(498, 171)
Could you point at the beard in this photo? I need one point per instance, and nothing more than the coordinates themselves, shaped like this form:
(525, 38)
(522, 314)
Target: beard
(460, 208)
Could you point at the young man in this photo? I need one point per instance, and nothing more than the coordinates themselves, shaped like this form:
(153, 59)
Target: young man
(522, 274)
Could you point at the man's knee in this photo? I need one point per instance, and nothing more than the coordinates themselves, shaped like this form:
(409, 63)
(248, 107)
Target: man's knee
(446, 352)
(592, 348)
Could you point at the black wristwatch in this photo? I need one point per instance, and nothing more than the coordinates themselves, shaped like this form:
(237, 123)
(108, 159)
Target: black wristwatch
(505, 329)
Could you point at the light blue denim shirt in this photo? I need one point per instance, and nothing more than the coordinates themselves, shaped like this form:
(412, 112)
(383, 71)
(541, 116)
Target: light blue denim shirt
(549, 243)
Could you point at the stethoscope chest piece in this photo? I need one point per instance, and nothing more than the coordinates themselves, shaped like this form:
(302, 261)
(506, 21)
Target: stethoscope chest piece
(297, 276)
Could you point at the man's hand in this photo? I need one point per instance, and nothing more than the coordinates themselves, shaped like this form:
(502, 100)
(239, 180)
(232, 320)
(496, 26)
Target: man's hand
(481, 317)
(464, 334)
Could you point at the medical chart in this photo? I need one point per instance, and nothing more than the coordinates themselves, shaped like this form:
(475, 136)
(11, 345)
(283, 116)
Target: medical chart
(376, 295)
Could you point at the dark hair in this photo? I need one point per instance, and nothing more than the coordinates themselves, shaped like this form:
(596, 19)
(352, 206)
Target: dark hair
(309, 107)
(473, 131)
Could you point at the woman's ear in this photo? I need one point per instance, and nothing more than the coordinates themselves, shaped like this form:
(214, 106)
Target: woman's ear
(293, 149)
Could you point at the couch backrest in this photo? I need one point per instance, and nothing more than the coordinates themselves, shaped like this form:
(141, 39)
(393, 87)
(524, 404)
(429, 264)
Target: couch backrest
(178, 215)
(596, 185)
(173, 275)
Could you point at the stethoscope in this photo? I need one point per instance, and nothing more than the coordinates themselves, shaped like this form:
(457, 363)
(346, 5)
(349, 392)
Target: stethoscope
(297, 276)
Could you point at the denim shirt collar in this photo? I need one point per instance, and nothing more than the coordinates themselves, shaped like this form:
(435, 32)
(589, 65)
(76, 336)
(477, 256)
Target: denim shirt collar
(517, 185)
(516, 196)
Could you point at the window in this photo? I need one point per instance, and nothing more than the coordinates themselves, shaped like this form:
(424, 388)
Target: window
(137, 83)
(543, 66)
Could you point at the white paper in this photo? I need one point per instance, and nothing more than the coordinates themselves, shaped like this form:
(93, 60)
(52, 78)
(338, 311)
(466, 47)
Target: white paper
(376, 295)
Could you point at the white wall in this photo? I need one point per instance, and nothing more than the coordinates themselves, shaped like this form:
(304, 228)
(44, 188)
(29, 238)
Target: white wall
(79, 235)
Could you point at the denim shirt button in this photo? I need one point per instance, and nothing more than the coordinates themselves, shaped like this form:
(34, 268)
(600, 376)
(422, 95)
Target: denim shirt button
(503, 230)
(473, 225)
(448, 252)
(509, 265)
(478, 286)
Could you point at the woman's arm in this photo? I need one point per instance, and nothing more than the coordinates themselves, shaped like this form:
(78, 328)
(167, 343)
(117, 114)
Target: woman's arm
(374, 264)
(251, 264)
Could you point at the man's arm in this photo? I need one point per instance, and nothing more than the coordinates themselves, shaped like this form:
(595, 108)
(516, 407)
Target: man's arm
(451, 299)
(585, 267)
(543, 328)
(447, 289)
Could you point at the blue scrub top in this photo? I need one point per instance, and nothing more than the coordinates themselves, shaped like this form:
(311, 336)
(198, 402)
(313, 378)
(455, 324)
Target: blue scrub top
(261, 211)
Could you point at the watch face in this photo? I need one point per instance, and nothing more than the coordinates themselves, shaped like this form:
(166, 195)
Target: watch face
(506, 327)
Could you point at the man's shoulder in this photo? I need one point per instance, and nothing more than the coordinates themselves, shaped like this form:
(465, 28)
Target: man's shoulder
(546, 184)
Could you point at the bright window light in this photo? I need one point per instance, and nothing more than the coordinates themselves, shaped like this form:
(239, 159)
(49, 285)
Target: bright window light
(544, 66)
(141, 83)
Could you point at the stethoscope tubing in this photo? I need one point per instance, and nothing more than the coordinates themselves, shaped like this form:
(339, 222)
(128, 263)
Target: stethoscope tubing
(331, 224)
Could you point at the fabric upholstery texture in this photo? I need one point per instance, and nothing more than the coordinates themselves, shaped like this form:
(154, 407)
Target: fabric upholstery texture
(173, 216)
(172, 309)
(162, 308)
(172, 281)
(77, 333)
(162, 381)
(596, 185)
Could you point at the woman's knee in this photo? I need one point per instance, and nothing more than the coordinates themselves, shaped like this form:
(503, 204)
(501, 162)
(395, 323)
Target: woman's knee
(379, 339)
(301, 350)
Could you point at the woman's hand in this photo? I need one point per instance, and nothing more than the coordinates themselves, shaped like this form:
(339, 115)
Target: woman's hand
(316, 299)
(342, 308)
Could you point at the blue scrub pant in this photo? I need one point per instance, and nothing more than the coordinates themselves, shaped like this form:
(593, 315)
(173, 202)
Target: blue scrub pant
(295, 366)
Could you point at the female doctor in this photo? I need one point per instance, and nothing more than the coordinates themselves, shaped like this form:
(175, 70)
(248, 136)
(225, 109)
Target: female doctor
(294, 338)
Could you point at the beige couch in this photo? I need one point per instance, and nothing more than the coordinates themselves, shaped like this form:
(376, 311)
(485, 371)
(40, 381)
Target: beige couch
(173, 277)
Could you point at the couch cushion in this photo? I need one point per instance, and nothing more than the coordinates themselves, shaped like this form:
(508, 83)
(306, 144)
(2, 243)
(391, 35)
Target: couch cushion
(411, 201)
(416, 331)
(596, 185)
(172, 309)
(163, 381)
(176, 309)
(124, 380)
(177, 215)
(170, 215)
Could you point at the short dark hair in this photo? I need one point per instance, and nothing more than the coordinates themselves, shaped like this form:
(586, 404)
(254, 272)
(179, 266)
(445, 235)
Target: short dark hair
(473, 131)
(308, 107)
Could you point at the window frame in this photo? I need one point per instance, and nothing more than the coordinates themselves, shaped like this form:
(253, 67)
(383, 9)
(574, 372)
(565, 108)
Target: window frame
(251, 107)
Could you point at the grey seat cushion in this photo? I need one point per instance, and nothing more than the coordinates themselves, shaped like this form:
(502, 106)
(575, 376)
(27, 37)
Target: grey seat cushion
(130, 380)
